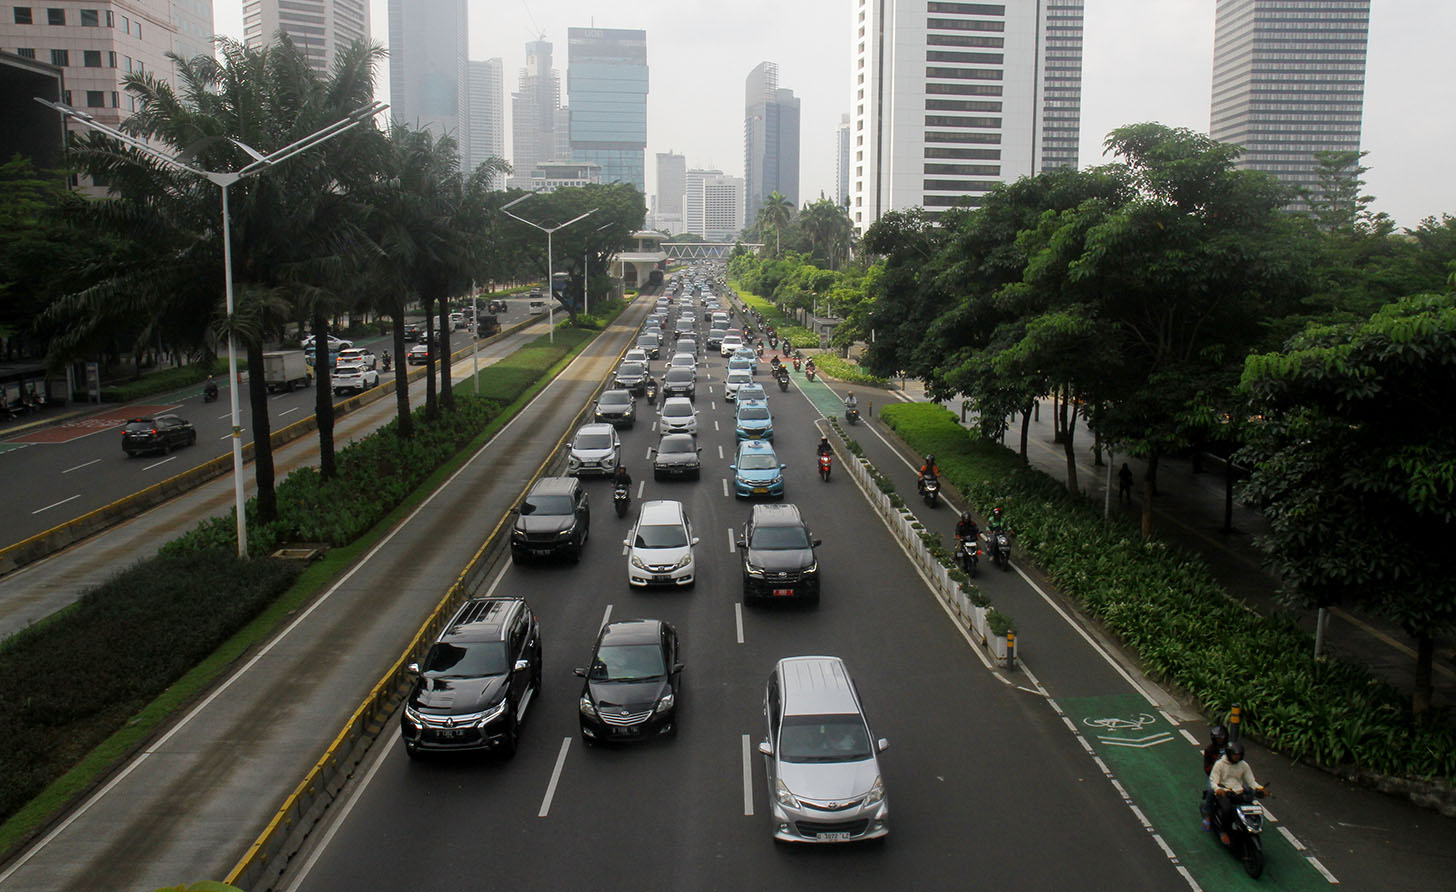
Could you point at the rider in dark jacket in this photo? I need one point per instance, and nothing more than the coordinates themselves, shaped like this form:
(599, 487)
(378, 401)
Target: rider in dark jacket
(622, 478)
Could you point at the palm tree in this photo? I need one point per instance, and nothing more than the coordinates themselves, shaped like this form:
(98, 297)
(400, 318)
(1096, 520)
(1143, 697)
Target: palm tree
(777, 211)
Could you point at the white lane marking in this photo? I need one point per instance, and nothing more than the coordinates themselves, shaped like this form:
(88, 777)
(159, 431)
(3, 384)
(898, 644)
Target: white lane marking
(1293, 840)
(738, 619)
(160, 463)
(225, 437)
(640, 485)
(221, 417)
(747, 779)
(1172, 721)
(61, 502)
(286, 411)
(1189, 737)
(555, 777)
(1315, 863)
(648, 456)
(725, 486)
(720, 451)
(606, 617)
(1192, 883)
(713, 404)
(79, 467)
(715, 424)
(732, 542)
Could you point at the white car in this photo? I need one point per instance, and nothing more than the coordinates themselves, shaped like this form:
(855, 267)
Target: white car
(335, 344)
(677, 416)
(734, 381)
(660, 548)
(353, 378)
(682, 361)
(731, 342)
(636, 354)
(595, 449)
(357, 356)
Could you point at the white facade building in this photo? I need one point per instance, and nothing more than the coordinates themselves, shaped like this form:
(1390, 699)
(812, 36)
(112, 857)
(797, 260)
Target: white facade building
(952, 99)
(486, 104)
(320, 28)
(713, 205)
(841, 162)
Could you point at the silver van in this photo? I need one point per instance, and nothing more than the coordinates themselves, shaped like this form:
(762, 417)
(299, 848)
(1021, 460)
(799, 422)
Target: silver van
(824, 780)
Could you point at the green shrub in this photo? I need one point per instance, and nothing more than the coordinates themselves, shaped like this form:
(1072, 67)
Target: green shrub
(69, 684)
(163, 380)
(998, 623)
(1165, 605)
(844, 370)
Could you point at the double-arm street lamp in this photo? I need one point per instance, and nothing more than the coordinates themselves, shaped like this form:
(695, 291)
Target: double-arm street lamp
(224, 179)
(550, 270)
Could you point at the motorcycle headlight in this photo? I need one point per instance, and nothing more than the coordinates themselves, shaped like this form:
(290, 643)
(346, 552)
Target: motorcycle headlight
(876, 795)
(586, 707)
(782, 794)
(665, 703)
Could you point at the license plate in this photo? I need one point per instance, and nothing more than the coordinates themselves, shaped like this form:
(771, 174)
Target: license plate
(838, 834)
(540, 552)
(783, 593)
(629, 731)
(450, 733)
(760, 489)
(662, 579)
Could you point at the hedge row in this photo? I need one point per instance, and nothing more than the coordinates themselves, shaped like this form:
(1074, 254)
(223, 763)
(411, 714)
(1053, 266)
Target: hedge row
(797, 335)
(162, 381)
(1165, 605)
(68, 684)
(843, 370)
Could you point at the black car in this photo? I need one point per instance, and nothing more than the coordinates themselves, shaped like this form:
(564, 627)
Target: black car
(778, 555)
(650, 343)
(495, 306)
(632, 376)
(632, 683)
(474, 685)
(553, 519)
(419, 354)
(157, 433)
(676, 455)
(680, 382)
(617, 408)
(413, 332)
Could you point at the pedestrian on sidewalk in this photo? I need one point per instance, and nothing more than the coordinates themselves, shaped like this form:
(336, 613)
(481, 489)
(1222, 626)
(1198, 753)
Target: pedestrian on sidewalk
(1124, 483)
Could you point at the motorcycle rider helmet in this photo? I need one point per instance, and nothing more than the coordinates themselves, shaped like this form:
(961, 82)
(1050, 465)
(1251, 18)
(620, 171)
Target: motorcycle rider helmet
(1218, 734)
(996, 512)
(930, 459)
(965, 517)
(1234, 751)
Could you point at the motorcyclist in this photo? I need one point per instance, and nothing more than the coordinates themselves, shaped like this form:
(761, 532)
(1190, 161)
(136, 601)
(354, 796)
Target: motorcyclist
(929, 469)
(209, 389)
(621, 479)
(1232, 780)
(388, 360)
(824, 448)
(999, 522)
(966, 527)
(850, 403)
(809, 367)
(1217, 742)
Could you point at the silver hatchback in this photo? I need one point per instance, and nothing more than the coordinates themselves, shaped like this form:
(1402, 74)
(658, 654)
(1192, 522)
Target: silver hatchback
(824, 780)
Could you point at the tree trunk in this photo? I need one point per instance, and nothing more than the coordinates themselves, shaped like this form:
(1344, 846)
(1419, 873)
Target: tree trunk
(1228, 493)
(1097, 449)
(447, 396)
(1025, 430)
(1150, 477)
(323, 402)
(401, 376)
(1425, 656)
(1059, 416)
(1069, 438)
(430, 405)
(263, 472)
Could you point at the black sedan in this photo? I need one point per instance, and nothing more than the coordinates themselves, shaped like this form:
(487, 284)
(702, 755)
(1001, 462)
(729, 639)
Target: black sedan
(676, 455)
(157, 433)
(632, 683)
(616, 407)
(419, 354)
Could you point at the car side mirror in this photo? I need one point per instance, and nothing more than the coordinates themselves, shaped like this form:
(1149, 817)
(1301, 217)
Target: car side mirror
(765, 747)
(522, 665)
(677, 667)
(627, 542)
(700, 449)
(696, 540)
(883, 744)
(413, 668)
(579, 672)
(818, 542)
(651, 450)
(742, 543)
(783, 465)
(732, 467)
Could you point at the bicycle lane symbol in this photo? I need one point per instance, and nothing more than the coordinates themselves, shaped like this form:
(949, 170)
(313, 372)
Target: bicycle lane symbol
(1116, 730)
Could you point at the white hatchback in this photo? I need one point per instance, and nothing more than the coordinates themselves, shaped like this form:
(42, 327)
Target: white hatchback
(677, 417)
(660, 549)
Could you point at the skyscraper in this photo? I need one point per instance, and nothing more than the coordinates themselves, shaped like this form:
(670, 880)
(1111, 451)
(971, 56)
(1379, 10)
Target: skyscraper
(486, 109)
(319, 27)
(770, 139)
(693, 198)
(429, 72)
(672, 184)
(1289, 81)
(841, 162)
(606, 89)
(534, 114)
(192, 21)
(994, 95)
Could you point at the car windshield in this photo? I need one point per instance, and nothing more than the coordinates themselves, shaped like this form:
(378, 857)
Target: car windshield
(824, 738)
(678, 376)
(661, 536)
(628, 662)
(775, 538)
(752, 413)
(739, 376)
(751, 392)
(676, 444)
(469, 660)
(542, 504)
(758, 461)
(676, 409)
(593, 441)
(631, 368)
(616, 399)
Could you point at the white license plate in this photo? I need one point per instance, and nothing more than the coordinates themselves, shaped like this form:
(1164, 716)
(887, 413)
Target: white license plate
(838, 834)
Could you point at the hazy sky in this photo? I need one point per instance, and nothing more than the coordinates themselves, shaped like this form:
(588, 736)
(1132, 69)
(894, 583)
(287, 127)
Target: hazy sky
(1144, 60)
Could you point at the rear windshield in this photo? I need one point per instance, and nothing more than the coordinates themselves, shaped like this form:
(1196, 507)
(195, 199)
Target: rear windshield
(466, 660)
(136, 427)
(824, 738)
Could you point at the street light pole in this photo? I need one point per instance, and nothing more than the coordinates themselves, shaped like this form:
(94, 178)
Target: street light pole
(224, 179)
(550, 270)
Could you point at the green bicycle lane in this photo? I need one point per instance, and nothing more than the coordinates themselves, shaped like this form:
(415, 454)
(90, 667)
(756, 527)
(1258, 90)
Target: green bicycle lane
(1160, 773)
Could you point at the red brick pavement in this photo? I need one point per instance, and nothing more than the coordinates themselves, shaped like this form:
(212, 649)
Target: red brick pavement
(77, 428)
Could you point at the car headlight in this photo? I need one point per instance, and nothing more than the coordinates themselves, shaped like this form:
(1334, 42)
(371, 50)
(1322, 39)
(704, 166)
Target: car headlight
(777, 478)
(811, 569)
(665, 703)
(637, 562)
(683, 561)
(492, 714)
(782, 794)
(411, 716)
(586, 707)
(876, 795)
(565, 534)
(744, 481)
(755, 572)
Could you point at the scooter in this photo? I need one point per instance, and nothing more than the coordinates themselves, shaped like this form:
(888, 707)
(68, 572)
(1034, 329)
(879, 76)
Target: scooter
(785, 348)
(809, 373)
(650, 391)
(930, 489)
(209, 392)
(621, 499)
(1246, 833)
(851, 414)
(825, 462)
(796, 363)
(773, 342)
(968, 554)
(783, 379)
(998, 542)
(388, 362)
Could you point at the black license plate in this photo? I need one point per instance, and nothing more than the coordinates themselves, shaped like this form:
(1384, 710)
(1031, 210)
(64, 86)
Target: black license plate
(451, 733)
(629, 731)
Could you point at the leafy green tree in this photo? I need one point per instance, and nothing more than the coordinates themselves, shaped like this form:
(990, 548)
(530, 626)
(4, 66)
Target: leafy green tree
(776, 214)
(1361, 500)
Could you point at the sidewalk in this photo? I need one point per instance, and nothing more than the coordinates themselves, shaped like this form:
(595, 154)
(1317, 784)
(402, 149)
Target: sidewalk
(1189, 511)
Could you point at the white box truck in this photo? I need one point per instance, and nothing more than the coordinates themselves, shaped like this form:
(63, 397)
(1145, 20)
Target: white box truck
(285, 370)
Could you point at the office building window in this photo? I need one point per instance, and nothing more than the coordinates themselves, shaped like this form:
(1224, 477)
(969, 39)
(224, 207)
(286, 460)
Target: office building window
(66, 97)
(90, 18)
(95, 99)
(26, 52)
(110, 19)
(91, 58)
(126, 63)
(55, 16)
(111, 58)
(115, 99)
(60, 58)
(22, 16)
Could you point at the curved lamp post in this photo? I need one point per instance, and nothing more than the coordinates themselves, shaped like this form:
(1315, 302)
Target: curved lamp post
(550, 271)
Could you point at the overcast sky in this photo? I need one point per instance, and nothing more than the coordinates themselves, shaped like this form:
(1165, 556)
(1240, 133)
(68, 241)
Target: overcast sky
(1144, 60)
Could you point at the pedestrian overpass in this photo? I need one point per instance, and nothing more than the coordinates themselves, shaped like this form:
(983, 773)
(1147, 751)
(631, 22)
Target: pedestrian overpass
(705, 250)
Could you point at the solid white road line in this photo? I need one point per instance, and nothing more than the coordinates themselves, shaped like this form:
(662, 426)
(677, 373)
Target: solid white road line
(555, 777)
(738, 619)
(747, 778)
(61, 502)
(725, 486)
(732, 542)
(284, 412)
(1315, 863)
(79, 467)
(1192, 883)
(1293, 840)
(606, 617)
(160, 463)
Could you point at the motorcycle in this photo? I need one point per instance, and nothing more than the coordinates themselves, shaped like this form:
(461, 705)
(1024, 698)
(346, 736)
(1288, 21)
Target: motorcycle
(785, 348)
(1246, 833)
(650, 391)
(773, 342)
(968, 554)
(760, 350)
(621, 499)
(796, 363)
(851, 414)
(388, 362)
(930, 489)
(809, 372)
(209, 392)
(998, 543)
(826, 460)
(783, 378)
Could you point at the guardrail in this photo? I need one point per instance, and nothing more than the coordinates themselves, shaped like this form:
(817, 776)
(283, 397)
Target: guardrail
(268, 856)
(44, 544)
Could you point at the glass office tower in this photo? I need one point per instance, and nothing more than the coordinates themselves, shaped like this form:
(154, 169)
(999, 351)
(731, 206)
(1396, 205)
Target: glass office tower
(606, 88)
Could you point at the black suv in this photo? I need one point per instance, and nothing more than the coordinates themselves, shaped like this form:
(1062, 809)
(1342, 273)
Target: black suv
(778, 555)
(553, 519)
(413, 332)
(680, 382)
(617, 408)
(477, 680)
(157, 433)
(632, 376)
